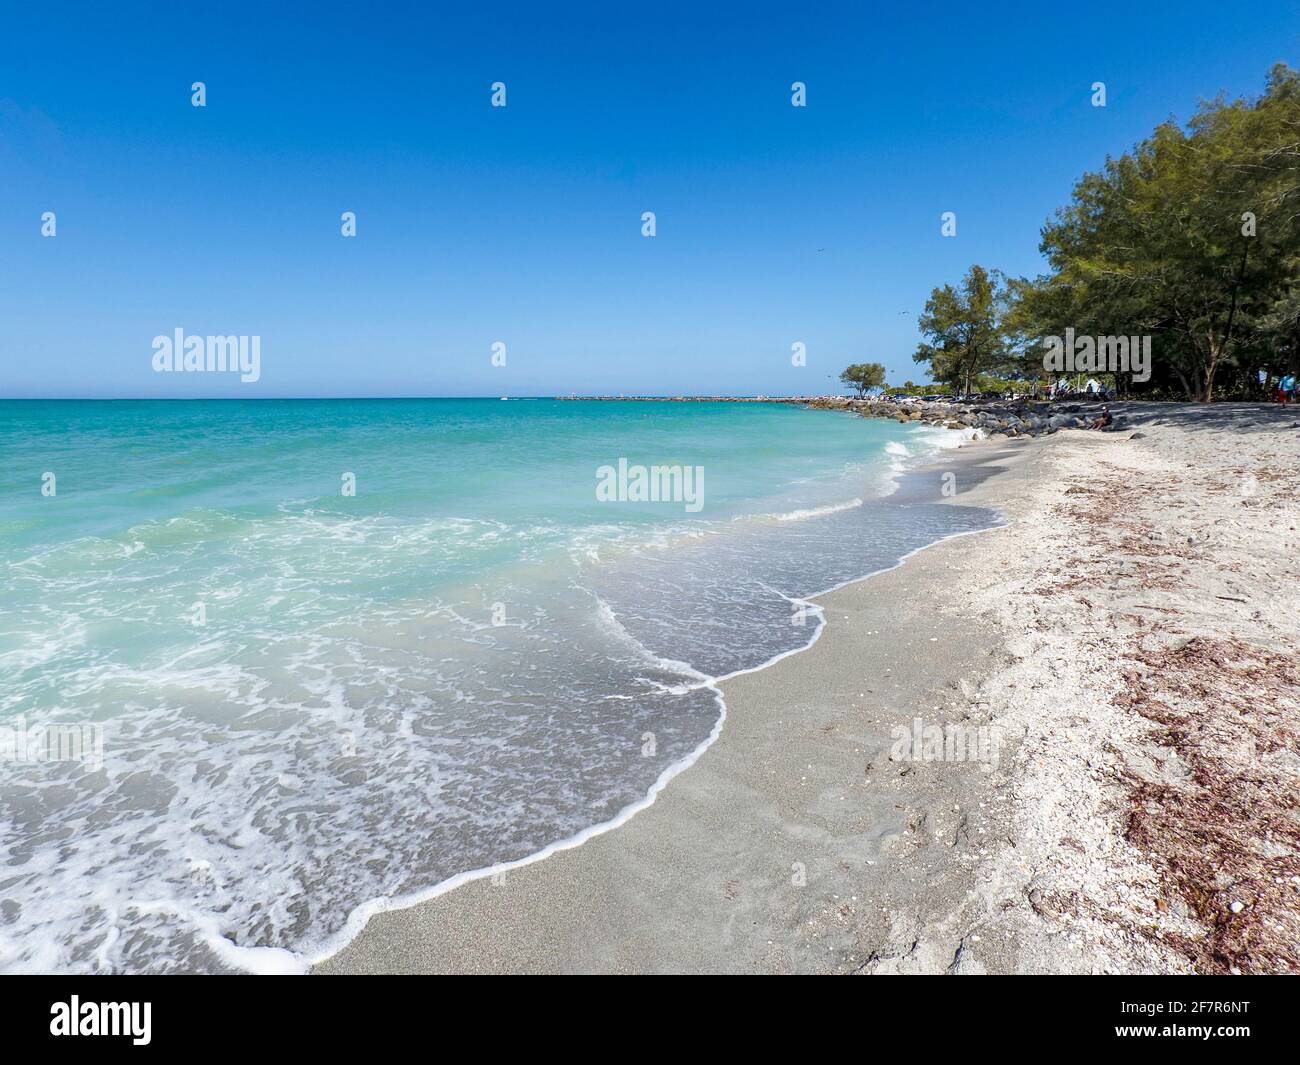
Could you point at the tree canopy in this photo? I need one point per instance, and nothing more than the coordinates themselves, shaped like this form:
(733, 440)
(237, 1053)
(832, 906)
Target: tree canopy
(964, 329)
(863, 376)
(1191, 237)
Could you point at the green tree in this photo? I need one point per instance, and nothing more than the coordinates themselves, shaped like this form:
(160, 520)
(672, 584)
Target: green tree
(1191, 237)
(964, 330)
(864, 375)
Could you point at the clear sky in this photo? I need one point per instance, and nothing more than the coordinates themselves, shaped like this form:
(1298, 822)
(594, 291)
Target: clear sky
(522, 224)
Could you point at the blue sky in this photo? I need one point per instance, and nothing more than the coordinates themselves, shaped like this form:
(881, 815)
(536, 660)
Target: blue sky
(523, 224)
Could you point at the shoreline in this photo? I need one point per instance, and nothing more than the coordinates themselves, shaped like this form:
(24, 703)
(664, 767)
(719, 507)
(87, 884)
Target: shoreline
(261, 960)
(363, 914)
(1126, 640)
(337, 959)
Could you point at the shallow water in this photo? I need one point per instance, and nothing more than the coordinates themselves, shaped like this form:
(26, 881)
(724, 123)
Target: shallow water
(308, 700)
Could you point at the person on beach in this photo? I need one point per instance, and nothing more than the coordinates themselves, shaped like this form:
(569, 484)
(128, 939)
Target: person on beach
(1104, 421)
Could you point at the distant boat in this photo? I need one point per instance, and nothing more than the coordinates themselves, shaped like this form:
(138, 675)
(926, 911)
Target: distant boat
(504, 398)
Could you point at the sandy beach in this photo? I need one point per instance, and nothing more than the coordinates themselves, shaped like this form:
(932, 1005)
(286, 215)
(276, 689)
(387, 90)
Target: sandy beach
(1125, 650)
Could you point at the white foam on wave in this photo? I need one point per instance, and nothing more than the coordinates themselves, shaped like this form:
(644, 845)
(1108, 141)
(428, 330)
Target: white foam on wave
(936, 438)
(697, 679)
(891, 475)
(359, 917)
(927, 441)
(331, 666)
(818, 512)
(221, 742)
(276, 959)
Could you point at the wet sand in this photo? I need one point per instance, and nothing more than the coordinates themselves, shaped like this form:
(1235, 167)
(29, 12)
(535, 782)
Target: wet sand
(794, 844)
(1130, 639)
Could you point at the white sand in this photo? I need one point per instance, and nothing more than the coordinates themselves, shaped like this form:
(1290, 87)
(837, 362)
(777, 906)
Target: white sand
(1151, 608)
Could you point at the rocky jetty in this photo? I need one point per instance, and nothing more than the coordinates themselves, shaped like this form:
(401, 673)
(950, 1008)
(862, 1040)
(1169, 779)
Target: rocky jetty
(994, 418)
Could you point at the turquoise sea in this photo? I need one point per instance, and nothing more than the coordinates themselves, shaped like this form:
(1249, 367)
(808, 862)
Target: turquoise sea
(312, 703)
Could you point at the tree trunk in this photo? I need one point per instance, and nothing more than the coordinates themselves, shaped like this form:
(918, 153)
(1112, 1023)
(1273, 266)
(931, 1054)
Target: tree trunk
(1211, 368)
(1205, 384)
(1219, 348)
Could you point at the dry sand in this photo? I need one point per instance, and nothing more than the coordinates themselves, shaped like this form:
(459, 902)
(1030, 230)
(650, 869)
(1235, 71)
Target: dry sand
(1129, 642)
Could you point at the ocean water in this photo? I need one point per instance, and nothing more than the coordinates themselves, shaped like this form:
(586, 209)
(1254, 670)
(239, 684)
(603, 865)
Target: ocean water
(306, 705)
